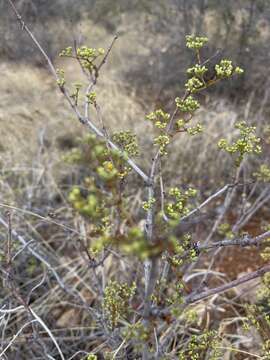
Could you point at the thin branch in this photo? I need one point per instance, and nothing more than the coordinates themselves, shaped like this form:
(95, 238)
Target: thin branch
(162, 192)
(36, 287)
(27, 30)
(243, 241)
(35, 254)
(10, 311)
(9, 239)
(15, 336)
(220, 289)
(107, 53)
(83, 120)
(260, 201)
(46, 219)
(48, 331)
(93, 79)
(208, 200)
(195, 297)
(22, 249)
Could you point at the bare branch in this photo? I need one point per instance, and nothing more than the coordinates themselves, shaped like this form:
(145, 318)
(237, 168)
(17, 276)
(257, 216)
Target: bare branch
(243, 279)
(34, 253)
(16, 335)
(242, 241)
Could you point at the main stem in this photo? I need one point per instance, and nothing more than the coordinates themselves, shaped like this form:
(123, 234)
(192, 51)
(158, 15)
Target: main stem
(150, 265)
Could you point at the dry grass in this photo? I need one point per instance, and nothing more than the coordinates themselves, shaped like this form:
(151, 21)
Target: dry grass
(31, 108)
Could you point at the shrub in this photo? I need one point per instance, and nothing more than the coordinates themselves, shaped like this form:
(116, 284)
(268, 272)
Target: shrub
(145, 308)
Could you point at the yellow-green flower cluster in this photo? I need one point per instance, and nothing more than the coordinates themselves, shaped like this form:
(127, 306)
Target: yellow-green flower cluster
(176, 246)
(195, 42)
(159, 117)
(99, 191)
(138, 332)
(135, 243)
(147, 205)
(247, 143)
(200, 345)
(194, 84)
(61, 77)
(224, 229)
(179, 207)
(88, 56)
(191, 316)
(97, 154)
(265, 254)
(75, 94)
(66, 52)
(176, 298)
(85, 54)
(175, 261)
(180, 250)
(127, 142)
(263, 292)
(226, 69)
(75, 197)
(266, 349)
(91, 97)
(180, 123)
(238, 70)
(116, 301)
(252, 315)
(92, 357)
(93, 201)
(162, 141)
(86, 205)
(197, 70)
(194, 130)
(107, 171)
(177, 193)
(73, 156)
(89, 150)
(188, 105)
(193, 255)
(263, 174)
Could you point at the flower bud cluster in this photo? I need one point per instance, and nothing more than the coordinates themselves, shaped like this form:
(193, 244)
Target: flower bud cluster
(263, 174)
(225, 69)
(188, 105)
(159, 117)
(179, 207)
(247, 143)
(195, 42)
(116, 301)
(127, 142)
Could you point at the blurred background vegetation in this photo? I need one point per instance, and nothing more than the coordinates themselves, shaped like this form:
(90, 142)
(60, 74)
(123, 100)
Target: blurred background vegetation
(153, 34)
